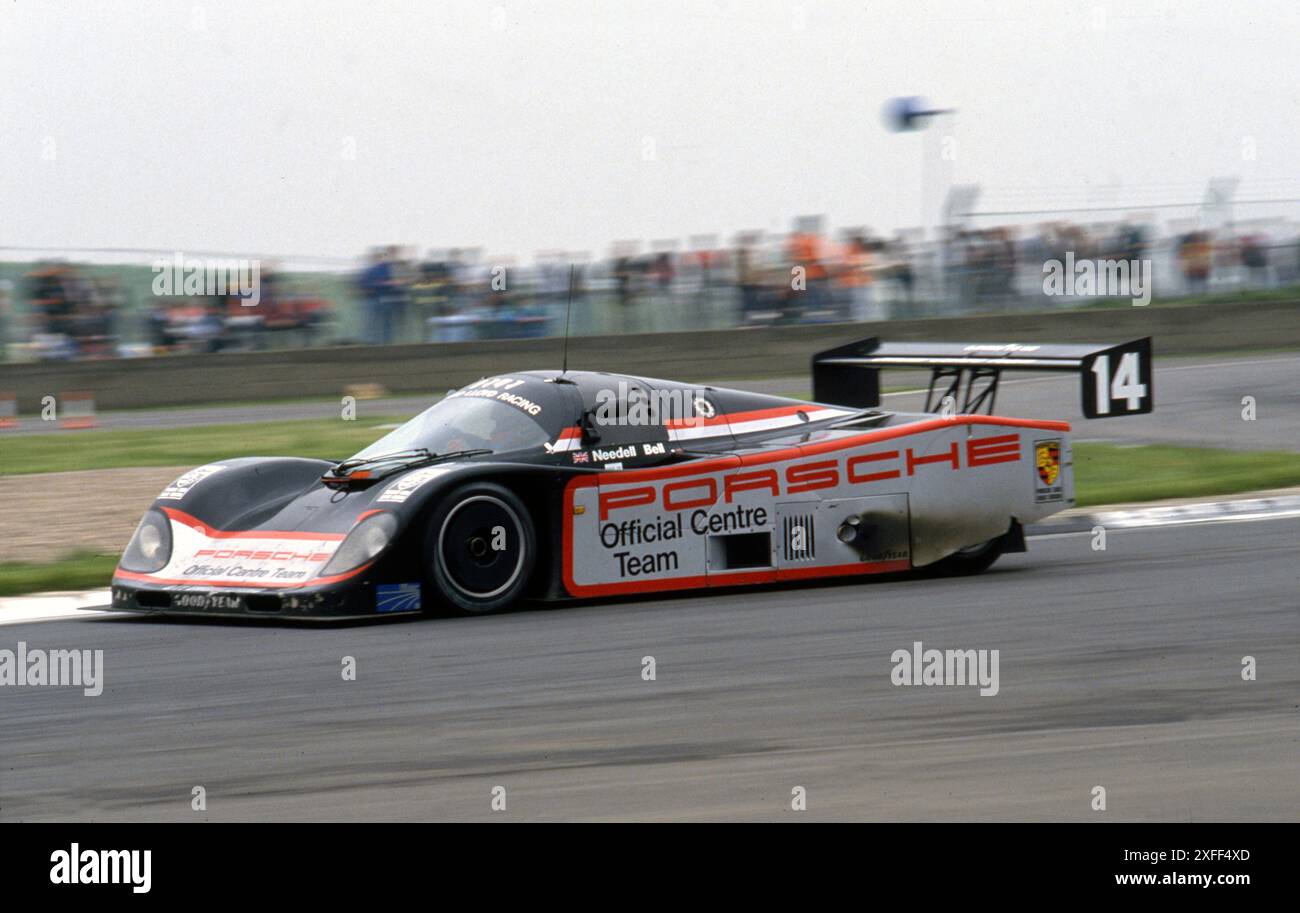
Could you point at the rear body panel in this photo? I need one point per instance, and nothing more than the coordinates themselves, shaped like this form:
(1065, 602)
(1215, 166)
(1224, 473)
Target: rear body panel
(924, 488)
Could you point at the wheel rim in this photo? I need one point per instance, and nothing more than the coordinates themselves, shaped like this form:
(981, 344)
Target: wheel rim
(481, 547)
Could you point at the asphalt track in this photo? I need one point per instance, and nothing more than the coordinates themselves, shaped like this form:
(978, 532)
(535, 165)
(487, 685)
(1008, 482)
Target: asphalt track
(1118, 668)
(1198, 403)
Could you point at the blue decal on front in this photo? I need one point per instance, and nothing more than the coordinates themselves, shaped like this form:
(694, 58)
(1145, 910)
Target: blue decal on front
(397, 597)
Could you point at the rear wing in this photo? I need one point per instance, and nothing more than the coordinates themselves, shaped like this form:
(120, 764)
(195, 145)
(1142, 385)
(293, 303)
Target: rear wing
(1114, 380)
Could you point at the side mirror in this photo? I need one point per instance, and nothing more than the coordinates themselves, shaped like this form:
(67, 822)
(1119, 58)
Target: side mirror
(589, 433)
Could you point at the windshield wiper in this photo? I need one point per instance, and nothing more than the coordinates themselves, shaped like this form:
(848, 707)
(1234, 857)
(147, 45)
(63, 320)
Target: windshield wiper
(457, 454)
(418, 455)
(413, 453)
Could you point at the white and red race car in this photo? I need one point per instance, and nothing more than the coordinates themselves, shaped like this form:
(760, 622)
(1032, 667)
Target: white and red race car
(560, 484)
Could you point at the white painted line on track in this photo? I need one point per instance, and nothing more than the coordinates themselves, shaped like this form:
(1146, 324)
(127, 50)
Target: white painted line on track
(1197, 513)
(55, 606)
(1207, 521)
(1201, 512)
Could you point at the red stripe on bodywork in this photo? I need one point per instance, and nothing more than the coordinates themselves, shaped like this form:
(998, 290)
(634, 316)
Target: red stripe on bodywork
(181, 517)
(228, 585)
(194, 522)
(752, 416)
(717, 464)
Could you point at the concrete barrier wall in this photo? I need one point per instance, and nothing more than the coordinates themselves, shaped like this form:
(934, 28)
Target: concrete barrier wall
(697, 356)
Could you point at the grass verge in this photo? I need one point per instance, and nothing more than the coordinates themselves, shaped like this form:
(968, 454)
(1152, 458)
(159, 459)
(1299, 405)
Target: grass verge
(79, 450)
(1114, 473)
(82, 571)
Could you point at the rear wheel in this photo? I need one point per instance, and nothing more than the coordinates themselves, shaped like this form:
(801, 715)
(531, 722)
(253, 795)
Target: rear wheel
(972, 560)
(480, 548)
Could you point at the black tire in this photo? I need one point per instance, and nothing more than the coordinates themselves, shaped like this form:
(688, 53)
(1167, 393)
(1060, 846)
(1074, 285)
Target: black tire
(480, 548)
(975, 559)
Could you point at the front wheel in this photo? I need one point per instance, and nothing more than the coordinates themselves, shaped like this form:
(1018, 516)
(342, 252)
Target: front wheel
(480, 548)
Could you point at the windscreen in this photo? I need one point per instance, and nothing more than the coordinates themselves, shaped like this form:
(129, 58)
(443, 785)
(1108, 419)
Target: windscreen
(464, 424)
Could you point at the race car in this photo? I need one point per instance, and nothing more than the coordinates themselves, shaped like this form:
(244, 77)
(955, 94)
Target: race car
(575, 484)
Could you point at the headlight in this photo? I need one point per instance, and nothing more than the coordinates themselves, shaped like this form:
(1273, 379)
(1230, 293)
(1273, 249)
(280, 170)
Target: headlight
(367, 539)
(151, 547)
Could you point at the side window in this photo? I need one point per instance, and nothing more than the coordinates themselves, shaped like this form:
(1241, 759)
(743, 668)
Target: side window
(631, 431)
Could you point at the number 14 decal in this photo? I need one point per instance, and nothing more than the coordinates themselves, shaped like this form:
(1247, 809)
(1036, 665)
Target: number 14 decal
(1125, 384)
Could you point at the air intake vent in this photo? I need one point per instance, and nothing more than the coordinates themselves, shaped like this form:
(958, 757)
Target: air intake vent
(260, 603)
(797, 534)
(152, 599)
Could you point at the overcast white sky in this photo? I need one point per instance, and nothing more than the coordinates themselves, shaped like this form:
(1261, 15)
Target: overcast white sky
(226, 125)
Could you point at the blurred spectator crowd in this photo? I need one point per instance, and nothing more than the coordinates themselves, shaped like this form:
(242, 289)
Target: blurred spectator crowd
(280, 319)
(71, 313)
(808, 275)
